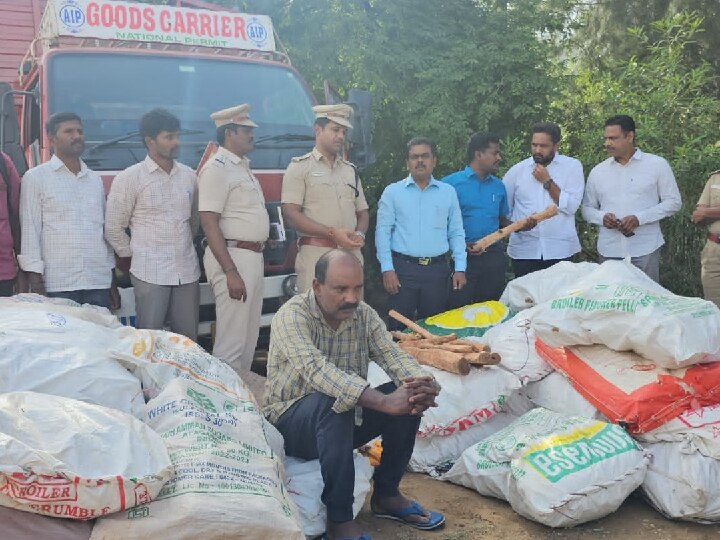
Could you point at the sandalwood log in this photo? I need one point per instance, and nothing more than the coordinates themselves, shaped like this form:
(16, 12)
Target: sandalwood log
(427, 344)
(402, 336)
(439, 340)
(423, 344)
(410, 324)
(445, 360)
(491, 238)
(483, 359)
(476, 346)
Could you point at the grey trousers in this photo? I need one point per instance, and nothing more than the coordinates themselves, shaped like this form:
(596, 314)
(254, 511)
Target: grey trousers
(177, 304)
(650, 263)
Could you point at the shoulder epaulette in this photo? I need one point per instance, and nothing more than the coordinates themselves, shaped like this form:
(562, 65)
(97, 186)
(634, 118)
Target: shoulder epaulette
(302, 158)
(346, 162)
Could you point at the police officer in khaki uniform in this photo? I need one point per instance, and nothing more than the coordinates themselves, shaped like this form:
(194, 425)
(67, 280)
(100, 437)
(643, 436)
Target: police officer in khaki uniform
(708, 213)
(322, 196)
(236, 224)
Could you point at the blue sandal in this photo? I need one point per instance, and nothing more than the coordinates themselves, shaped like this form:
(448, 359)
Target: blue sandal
(414, 509)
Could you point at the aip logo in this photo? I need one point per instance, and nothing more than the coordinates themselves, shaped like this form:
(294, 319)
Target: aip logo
(256, 31)
(71, 15)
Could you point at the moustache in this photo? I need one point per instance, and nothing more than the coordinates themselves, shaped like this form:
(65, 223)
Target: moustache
(347, 307)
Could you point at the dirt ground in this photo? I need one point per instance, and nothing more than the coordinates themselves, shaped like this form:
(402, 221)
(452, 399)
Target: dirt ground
(470, 516)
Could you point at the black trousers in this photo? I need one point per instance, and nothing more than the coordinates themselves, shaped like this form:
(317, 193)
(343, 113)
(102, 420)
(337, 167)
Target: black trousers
(523, 267)
(312, 430)
(485, 277)
(96, 297)
(423, 290)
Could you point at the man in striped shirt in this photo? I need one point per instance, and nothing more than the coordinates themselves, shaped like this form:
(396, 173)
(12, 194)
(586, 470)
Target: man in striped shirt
(157, 200)
(319, 399)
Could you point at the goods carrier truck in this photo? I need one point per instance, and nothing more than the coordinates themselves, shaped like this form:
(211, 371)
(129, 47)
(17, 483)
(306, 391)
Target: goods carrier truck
(112, 61)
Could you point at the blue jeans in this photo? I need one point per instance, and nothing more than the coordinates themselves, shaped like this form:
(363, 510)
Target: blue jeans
(96, 297)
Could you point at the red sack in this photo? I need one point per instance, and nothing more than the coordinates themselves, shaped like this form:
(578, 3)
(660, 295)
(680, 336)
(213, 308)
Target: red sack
(631, 390)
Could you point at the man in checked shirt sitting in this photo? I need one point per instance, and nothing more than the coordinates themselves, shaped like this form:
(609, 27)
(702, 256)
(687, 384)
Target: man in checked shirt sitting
(318, 397)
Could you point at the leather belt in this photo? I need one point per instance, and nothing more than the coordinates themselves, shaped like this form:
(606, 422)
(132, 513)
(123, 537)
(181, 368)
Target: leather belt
(714, 237)
(257, 247)
(422, 261)
(317, 242)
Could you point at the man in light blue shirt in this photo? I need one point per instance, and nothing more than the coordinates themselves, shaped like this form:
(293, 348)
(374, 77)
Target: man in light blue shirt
(484, 206)
(418, 221)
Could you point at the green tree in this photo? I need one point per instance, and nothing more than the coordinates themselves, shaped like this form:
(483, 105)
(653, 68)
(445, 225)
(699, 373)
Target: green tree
(604, 39)
(677, 117)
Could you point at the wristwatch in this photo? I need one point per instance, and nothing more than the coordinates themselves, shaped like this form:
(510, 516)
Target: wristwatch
(546, 185)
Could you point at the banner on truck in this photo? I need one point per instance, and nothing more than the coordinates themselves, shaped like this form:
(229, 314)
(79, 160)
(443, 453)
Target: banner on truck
(166, 24)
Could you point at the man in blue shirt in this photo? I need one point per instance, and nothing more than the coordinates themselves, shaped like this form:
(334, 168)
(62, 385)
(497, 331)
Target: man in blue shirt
(484, 206)
(418, 221)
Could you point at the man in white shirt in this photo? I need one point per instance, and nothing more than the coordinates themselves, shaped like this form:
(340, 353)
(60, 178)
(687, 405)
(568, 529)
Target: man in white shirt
(157, 200)
(532, 185)
(627, 195)
(62, 206)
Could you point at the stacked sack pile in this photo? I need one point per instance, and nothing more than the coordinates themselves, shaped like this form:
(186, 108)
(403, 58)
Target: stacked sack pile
(141, 431)
(648, 361)
(617, 387)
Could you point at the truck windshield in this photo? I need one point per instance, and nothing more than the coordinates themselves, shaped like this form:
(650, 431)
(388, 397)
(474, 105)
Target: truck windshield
(111, 92)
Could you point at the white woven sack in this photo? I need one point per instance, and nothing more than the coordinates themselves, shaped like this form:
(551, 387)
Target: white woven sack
(557, 394)
(558, 470)
(514, 340)
(64, 458)
(696, 430)
(157, 358)
(228, 483)
(538, 287)
(683, 483)
(56, 346)
(305, 486)
(432, 452)
(618, 306)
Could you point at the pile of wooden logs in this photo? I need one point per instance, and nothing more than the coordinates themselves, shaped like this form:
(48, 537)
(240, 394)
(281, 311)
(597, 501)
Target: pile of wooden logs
(443, 352)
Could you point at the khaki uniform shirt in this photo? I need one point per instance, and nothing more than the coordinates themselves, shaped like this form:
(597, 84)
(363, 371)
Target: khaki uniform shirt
(306, 355)
(325, 191)
(711, 197)
(227, 187)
